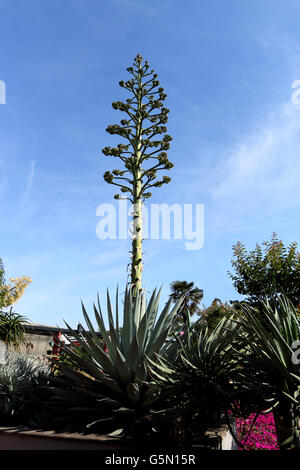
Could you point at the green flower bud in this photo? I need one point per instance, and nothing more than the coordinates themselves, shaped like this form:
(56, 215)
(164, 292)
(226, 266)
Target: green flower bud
(169, 165)
(108, 177)
(106, 150)
(166, 179)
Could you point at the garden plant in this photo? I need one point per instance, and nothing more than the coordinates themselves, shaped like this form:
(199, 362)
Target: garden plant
(20, 380)
(110, 390)
(12, 331)
(269, 370)
(145, 152)
(156, 377)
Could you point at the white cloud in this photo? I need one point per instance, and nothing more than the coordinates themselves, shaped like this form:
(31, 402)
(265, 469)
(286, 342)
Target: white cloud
(259, 176)
(30, 180)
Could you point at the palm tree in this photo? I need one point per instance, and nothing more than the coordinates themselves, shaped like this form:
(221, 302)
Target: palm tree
(190, 306)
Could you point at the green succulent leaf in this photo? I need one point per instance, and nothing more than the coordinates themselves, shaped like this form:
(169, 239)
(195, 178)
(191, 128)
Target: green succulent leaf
(133, 392)
(118, 378)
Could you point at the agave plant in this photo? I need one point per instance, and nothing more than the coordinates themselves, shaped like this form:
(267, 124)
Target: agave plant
(110, 388)
(19, 377)
(196, 374)
(268, 365)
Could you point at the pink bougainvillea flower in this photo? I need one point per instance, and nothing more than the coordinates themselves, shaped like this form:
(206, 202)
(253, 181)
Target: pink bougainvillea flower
(260, 435)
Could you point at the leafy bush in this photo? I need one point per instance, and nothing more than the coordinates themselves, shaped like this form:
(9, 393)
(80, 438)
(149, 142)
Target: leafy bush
(266, 272)
(212, 315)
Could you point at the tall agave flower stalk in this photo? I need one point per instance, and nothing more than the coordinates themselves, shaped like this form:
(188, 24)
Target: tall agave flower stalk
(114, 384)
(142, 155)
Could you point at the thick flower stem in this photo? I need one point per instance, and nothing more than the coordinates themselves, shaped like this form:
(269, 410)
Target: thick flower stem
(137, 264)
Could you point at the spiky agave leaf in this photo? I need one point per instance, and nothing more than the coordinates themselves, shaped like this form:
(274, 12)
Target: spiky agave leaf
(117, 378)
(199, 371)
(273, 332)
(270, 332)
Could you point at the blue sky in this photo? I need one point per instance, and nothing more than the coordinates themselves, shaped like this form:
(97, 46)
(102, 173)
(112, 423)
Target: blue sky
(227, 68)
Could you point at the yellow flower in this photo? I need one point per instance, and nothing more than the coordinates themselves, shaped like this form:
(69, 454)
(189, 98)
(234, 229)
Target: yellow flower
(11, 293)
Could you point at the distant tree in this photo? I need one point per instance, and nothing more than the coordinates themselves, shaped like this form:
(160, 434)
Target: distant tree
(212, 315)
(11, 293)
(266, 272)
(190, 305)
(12, 331)
(144, 152)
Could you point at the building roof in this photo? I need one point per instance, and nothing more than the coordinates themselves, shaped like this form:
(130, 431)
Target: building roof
(36, 329)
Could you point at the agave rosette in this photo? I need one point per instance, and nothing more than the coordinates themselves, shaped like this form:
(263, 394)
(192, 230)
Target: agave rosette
(270, 363)
(199, 369)
(114, 377)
